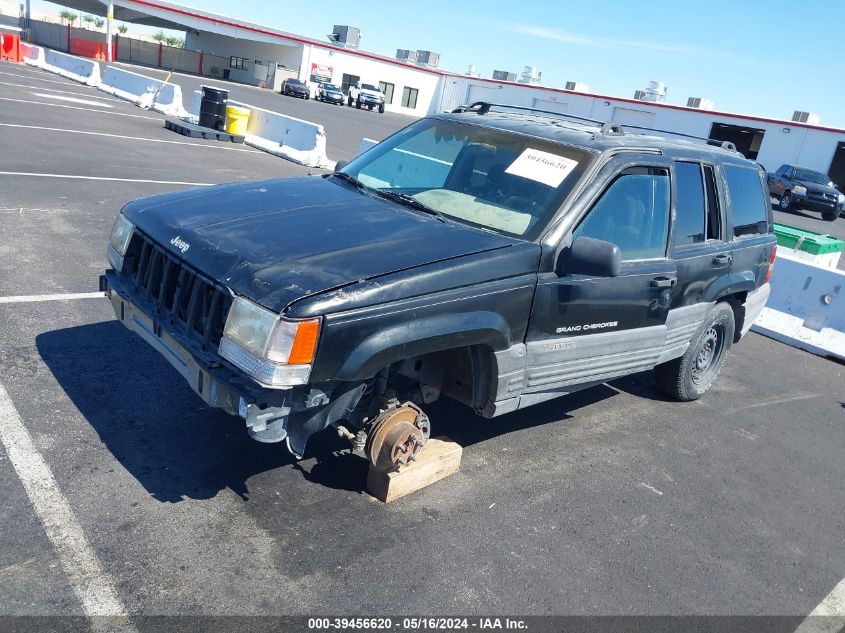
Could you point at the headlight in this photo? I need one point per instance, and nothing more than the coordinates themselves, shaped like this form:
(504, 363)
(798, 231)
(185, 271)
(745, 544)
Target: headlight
(274, 351)
(801, 191)
(121, 235)
(841, 198)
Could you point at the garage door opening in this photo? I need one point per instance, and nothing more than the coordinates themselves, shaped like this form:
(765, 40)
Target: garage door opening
(746, 139)
(837, 167)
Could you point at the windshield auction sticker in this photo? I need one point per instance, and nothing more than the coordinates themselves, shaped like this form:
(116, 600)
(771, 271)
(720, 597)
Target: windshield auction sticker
(549, 169)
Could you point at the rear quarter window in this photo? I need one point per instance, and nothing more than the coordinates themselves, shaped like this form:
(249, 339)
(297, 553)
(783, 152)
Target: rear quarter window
(749, 202)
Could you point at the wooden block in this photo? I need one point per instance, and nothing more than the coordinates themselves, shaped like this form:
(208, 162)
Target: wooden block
(439, 458)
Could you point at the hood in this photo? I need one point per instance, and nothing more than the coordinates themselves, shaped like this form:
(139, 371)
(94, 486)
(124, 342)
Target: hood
(817, 188)
(278, 241)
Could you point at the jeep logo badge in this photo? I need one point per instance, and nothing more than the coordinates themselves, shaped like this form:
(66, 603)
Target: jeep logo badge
(179, 243)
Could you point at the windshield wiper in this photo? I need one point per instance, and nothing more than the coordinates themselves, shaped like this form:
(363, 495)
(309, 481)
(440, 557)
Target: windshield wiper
(409, 201)
(352, 180)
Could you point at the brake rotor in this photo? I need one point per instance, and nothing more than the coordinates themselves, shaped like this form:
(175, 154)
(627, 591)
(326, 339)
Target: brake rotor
(397, 436)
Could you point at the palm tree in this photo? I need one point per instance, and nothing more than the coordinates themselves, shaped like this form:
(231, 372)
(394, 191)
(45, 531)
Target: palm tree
(69, 16)
(99, 23)
(122, 29)
(88, 19)
(160, 36)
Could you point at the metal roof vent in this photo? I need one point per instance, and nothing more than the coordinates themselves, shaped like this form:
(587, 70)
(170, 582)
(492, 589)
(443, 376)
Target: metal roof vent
(427, 58)
(504, 75)
(577, 86)
(407, 56)
(530, 75)
(639, 95)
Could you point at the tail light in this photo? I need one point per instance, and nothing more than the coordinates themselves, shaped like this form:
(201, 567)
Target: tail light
(771, 264)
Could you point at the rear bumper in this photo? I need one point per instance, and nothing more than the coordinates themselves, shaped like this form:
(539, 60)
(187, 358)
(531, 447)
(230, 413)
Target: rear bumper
(754, 304)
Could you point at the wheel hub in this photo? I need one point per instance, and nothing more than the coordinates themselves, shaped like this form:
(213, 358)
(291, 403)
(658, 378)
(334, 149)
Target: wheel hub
(707, 354)
(397, 436)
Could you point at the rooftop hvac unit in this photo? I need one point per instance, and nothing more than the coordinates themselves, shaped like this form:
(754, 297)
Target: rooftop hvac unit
(639, 95)
(577, 87)
(348, 36)
(810, 118)
(427, 58)
(504, 75)
(700, 103)
(405, 55)
(656, 91)
(530, 75)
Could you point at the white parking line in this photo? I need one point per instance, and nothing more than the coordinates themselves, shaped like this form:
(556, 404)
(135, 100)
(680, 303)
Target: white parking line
(57, 105)
(67, 82)
(131, 138)
(66, 92)
(73, 177)
(829, 615)
(89, 102)
(60, 297)
(90, 583)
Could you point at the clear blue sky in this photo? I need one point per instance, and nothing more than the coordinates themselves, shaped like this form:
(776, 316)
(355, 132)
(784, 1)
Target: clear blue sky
(750, 56)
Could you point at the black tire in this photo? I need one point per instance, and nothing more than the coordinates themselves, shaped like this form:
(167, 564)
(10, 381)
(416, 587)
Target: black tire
(370, 108)
(691, 376)
(785, 202)
(830, 217)
(349, 101)
(381, 108)
(358, 103)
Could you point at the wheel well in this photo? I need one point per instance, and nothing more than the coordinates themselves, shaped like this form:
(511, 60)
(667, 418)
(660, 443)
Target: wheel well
(737, 303)
(462, 373)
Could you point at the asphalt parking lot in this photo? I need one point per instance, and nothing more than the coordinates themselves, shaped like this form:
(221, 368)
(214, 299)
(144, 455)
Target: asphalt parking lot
(611, 501)
(345, 127)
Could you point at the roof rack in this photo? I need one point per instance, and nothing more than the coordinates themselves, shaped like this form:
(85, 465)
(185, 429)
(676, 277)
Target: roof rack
(606, 129)
(728, 145)
(483, 107)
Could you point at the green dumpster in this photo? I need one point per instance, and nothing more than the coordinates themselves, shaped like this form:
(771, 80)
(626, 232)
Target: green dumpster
(821, 249)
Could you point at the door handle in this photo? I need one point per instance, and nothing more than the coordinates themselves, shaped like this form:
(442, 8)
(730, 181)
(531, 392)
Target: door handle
(663, 282)
(722, 260)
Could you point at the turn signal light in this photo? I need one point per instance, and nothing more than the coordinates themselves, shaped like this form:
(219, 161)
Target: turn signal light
(304, 343)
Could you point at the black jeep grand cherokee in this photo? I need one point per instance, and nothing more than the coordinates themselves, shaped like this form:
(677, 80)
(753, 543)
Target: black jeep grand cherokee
(501, 258)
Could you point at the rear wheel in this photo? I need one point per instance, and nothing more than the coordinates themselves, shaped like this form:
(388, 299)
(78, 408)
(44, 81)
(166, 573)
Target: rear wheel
(691, 376)
(358, 103)
(381, 108)
(349, 101)
(785, 201)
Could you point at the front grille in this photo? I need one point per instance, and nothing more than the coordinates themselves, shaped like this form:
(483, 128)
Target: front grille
(192, 305)
(822, 195)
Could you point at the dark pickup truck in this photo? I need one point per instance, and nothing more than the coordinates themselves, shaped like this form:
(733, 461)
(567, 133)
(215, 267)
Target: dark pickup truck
(804, 188)
(501, 258)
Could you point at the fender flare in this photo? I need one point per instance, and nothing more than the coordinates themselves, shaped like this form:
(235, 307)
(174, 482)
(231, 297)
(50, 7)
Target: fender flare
(424, 336)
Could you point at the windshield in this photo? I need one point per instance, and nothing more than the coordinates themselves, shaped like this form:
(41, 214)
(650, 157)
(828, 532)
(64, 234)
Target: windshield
(331, 87)
(506, 182)
(809, 175)
(294, 82)
(368, 87)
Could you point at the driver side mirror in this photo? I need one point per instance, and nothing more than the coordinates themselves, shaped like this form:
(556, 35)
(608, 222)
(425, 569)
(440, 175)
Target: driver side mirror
(340, 165)
(589, 256)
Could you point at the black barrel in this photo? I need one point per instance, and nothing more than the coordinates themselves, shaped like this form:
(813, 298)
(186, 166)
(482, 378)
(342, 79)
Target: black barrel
(213, 108)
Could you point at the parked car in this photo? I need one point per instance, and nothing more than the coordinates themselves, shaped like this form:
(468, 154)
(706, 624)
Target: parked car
(296, 88)
(365, 96)
(330, 93)
(806, 189)
(501, 259)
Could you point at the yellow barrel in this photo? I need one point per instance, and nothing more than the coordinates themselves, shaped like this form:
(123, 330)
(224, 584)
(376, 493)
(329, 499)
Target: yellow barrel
(237, 119)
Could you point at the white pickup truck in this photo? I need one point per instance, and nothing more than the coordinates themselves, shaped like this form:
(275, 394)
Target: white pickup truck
(365, 95)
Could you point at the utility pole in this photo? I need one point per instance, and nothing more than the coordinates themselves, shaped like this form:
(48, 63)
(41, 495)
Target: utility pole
(109, 31)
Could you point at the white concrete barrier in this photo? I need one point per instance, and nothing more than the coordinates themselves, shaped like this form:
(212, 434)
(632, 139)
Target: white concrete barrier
(32, 55)
(133, 86)
(366, 143)
(86, 71)
(297, 140)
(806, 308)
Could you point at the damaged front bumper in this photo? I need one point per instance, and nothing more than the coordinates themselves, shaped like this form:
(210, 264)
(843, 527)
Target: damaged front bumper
(271, 415)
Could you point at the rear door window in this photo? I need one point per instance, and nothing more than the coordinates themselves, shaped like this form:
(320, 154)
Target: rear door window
(749, 203)
(690, 219)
